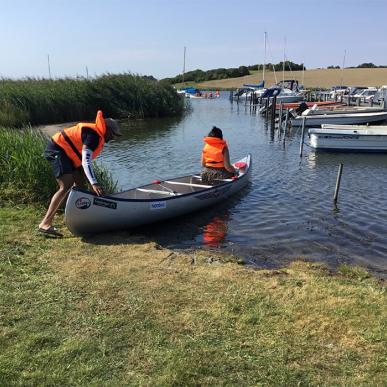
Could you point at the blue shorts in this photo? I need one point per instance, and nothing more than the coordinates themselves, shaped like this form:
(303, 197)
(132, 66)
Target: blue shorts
(60, 162)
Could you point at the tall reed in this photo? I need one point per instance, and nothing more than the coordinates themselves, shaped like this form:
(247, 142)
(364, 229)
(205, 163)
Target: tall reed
(45, 101)
(25, 175)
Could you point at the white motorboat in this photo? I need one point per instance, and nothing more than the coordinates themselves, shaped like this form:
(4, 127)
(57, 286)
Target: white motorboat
(350, 138)
(339, 118)
(87, 213)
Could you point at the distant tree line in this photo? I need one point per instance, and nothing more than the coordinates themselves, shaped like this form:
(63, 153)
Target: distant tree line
(361, 66)
(209, 75)
(279, 66)
(234, 72)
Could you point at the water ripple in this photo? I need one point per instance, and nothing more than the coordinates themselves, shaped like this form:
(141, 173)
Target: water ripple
(287, 211)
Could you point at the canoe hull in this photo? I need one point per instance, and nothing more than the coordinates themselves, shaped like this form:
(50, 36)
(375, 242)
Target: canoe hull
(86, 213)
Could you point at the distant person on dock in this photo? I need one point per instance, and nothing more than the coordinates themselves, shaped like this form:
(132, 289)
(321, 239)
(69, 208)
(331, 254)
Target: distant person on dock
(71, 153)
(216, 158)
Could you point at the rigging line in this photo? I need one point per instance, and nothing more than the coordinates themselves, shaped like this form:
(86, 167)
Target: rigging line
(275, 75)
(290, 68)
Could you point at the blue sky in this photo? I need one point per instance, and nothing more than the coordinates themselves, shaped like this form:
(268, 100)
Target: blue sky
(148, 37)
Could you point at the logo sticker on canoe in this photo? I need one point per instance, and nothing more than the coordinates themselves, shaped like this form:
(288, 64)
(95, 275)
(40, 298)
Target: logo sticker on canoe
(82, 203)
(158, 205)
(105, 203)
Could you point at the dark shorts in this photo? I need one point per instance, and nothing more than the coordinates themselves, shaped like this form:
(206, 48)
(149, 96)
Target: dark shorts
(61, 164)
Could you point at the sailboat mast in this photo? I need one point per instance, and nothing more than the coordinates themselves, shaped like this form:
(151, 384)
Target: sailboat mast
(184, 63)
(264, 61)
(283, 64)
(342, 70)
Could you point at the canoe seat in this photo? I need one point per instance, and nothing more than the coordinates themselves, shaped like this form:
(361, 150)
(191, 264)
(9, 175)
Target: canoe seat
(158, 191)
(189, 184)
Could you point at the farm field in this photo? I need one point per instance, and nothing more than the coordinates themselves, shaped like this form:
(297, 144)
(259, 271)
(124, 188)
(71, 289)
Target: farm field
(315, 78)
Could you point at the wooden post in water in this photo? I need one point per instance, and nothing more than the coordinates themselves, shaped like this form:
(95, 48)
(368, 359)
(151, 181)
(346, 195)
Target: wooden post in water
(338, 183)
(358, 101)
(302, 136)
(267, 108)
(286, 122)
(281, 109)
(273, 111)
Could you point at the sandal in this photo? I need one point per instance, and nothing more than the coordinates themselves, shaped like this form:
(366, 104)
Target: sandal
(52, 231)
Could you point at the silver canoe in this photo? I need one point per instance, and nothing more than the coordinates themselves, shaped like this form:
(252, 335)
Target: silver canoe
(87, 213)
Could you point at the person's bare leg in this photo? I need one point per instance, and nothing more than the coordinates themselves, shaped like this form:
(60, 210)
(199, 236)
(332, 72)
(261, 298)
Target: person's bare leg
(65, 182)
(79, 178)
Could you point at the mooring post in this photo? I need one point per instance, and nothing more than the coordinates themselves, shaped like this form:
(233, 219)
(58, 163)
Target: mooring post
(286, 121)
(338, 182)
(280, 115)
(302, 136)
(273, 111)
(267, 108)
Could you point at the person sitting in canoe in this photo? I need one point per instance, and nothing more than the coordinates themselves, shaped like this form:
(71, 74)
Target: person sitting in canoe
(216, 158)
(71, 152)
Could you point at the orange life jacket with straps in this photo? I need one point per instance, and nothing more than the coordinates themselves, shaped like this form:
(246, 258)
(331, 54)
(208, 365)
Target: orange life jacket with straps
(70, 139)
(213, 152)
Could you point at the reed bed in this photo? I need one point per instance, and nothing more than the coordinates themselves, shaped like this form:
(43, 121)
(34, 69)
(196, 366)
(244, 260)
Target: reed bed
(45, 101)
(25, 175)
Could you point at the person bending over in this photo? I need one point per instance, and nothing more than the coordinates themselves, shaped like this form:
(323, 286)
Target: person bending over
(71, 152)
(216, 158)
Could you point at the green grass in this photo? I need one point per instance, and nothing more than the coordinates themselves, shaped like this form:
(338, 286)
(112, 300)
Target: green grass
(117, 309)
(25, 175)
(44, 101)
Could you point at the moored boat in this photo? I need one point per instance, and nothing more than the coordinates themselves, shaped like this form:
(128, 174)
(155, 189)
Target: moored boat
(339, 118)
(87, 213)
(350, 138)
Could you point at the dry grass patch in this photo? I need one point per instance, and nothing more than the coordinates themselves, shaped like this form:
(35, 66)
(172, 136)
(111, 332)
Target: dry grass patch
(119, 309)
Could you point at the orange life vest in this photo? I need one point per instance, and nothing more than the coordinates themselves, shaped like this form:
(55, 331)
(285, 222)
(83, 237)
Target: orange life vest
(70, 139)
(213, 152)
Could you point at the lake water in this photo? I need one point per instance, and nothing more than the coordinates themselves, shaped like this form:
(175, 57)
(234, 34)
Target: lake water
(286, 212)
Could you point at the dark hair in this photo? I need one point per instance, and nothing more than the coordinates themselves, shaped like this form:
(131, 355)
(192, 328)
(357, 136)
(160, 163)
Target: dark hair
(216, 132)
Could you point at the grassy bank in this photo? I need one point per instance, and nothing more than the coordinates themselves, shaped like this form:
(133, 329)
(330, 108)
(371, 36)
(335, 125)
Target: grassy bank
(43, 101)
(25, 175)
(118, 309)
(315, 78)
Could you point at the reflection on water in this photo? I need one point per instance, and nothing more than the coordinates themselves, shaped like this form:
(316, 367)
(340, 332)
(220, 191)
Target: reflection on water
(287, 212)
(215, 231)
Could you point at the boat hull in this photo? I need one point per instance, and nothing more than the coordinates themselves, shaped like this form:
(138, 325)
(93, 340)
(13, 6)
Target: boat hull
(349, 140)
(87, 213)
(339, 119)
